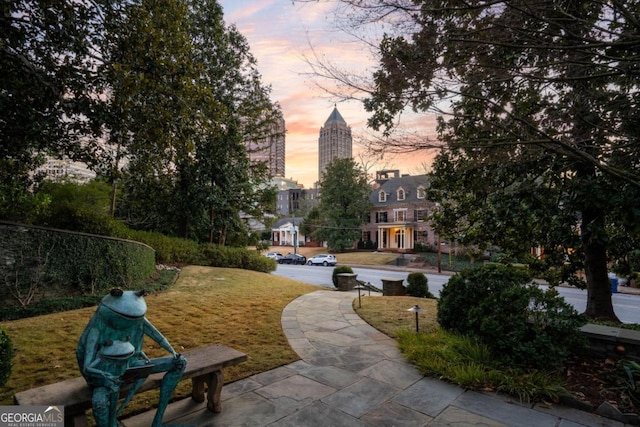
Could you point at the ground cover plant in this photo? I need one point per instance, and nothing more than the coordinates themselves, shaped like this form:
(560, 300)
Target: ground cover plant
(234, 307)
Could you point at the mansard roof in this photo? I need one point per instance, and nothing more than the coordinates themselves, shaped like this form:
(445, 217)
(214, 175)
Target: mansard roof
(408, 183)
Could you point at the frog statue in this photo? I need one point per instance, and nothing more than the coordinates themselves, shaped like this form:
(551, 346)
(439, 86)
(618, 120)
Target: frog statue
(110, 356)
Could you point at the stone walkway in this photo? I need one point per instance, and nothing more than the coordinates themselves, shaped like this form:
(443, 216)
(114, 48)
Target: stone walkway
(352, 375)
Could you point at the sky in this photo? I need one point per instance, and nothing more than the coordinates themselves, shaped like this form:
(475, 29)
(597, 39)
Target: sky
(283, 36)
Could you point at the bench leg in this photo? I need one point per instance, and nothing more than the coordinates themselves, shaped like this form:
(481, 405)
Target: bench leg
(213, 383)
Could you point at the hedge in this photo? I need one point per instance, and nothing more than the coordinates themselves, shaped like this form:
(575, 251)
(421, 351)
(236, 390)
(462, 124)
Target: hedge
(39, 260)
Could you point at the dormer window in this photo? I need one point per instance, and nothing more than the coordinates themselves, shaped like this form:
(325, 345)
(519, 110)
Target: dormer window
(382, 196)
(420, 193)
(400, 193)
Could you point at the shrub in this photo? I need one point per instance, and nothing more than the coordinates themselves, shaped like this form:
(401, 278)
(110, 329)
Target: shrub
(230, 257)
(169, 250)
(337, 270)
(47, 258)
(418, 285)
(6, 356)
(521, 323)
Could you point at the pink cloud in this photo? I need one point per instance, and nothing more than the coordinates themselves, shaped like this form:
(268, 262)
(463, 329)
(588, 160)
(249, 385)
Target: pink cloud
(279, 34)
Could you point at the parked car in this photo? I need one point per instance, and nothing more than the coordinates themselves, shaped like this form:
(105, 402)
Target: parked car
(274, 255)
(293, 259)
(322, 259)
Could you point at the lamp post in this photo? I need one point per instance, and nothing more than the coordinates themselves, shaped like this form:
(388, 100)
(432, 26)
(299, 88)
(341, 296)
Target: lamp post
(416, 309)
(359, 287)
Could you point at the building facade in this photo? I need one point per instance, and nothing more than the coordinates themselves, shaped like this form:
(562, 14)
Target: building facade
(286, 232)
(335, 141)
(399, 216)
(295, 201)
(64, 169)
(271, 149)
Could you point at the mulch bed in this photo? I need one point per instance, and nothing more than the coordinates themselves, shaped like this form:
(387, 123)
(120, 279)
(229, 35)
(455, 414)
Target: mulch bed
(594, 381)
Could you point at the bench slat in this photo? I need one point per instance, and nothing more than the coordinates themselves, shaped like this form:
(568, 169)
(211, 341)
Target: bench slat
(75, 394)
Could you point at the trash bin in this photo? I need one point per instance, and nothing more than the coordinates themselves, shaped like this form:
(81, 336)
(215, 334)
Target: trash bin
(614, 285)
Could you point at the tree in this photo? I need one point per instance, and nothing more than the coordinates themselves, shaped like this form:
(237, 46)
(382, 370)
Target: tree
(344, 204)
(46, 90)
(538, 120)
(190, 174)
(158, 96)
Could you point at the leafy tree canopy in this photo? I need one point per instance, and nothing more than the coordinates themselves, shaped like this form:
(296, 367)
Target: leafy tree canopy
(158, 97)
(344, 204)
(538, 121)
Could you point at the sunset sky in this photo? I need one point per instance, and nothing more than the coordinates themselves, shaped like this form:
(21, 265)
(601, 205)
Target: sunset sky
(281, 35)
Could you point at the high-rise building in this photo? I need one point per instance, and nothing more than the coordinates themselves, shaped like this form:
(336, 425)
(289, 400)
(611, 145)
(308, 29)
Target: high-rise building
(334, 141)
(60, 169)
(270, 150)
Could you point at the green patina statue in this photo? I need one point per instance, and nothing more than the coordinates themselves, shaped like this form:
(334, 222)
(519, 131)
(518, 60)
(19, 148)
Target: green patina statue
(110, 356)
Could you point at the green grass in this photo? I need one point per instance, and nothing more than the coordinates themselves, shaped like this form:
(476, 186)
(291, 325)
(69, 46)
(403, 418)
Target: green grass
(242, 309)
(238, 308)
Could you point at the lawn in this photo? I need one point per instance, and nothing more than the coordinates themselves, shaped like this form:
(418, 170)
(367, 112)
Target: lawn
(238, 308)
(349, 258)
(242, 309)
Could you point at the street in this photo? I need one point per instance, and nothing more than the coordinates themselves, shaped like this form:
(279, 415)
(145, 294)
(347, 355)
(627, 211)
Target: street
(626, 306)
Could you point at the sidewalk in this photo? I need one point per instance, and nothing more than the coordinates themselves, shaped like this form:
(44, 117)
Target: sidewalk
(352, 375)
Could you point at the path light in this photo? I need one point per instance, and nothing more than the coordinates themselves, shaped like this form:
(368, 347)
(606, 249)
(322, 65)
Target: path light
(359, 287)
(369, 287)
(416, 309)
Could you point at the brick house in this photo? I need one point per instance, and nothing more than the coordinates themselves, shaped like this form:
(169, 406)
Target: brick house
(398, 218)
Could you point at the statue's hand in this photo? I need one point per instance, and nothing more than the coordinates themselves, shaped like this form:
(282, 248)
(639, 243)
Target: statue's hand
(179, 361)
(112, 382)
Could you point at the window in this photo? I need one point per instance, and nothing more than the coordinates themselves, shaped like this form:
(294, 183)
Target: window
(420, 193)
(400, 193)
(382, 196)
(420, 215)
(381, 217)
(400, 215)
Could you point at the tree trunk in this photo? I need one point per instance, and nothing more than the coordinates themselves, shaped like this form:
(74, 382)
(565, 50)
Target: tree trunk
(599, 303)
(112, 205)
(211, 216)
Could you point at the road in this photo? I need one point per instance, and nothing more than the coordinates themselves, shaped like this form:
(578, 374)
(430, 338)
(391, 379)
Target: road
(626, 306)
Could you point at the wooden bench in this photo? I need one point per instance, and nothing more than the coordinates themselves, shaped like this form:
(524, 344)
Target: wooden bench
(204, 368)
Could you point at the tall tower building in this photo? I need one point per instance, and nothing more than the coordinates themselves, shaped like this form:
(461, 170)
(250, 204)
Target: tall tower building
(334, 141)
(270, 150)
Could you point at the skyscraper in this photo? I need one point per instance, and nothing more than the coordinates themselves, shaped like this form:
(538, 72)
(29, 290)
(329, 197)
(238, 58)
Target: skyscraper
(270, 149)
(334, 141)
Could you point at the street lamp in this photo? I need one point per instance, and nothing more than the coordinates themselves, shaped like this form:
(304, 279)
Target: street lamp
(416, 309)
(439, 243)
(359, 287)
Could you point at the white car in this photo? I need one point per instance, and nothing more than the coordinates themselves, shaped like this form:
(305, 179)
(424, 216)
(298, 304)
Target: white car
(274, 255)
(322, 259)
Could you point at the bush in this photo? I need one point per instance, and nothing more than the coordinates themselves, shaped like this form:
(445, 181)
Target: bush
(338, 270)
(6, 356)
(169, 250)
(366, 244)
(225, 256)
(418, 285)
(43, 259)
(522, 324)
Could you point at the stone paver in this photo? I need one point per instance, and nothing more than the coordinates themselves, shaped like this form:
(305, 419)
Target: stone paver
(351, 375)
